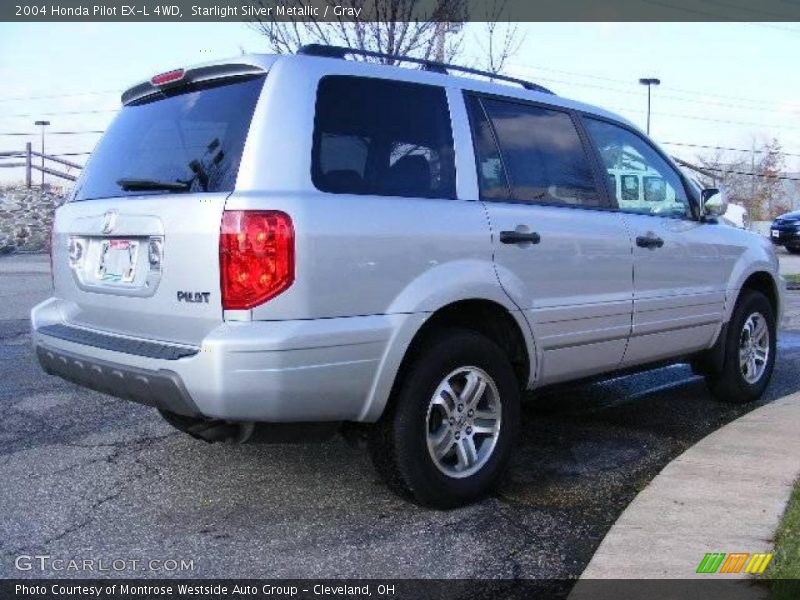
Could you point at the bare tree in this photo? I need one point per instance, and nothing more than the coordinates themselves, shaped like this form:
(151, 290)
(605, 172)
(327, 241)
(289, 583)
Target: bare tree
(769, 188)
(396, 27)
(754, 182)
(430, 29)
(500, 40)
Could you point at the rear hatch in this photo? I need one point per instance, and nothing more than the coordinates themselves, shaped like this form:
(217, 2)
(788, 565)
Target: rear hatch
(136, 247)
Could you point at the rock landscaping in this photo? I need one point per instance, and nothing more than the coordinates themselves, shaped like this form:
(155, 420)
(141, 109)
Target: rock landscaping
(25, 218)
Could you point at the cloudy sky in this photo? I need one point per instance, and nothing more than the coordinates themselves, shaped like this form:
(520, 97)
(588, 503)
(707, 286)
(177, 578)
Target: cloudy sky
(724, 84)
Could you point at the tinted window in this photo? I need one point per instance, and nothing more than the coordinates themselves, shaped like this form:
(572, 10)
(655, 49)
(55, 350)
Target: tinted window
(194, 137)
(658, 188)
(542, 153)
(491, 173)
(388, 138)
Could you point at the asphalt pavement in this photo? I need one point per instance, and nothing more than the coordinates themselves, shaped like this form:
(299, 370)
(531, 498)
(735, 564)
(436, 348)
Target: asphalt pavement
(90, 477)
(790, 263)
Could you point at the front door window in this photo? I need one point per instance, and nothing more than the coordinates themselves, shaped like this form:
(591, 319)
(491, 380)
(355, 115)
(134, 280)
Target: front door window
(648, 184)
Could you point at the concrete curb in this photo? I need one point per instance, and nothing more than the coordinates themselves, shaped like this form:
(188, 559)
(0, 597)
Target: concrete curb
(726, 493)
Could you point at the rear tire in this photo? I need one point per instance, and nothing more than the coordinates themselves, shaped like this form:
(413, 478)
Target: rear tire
(749, 351)
(449, 430)
(793, 249)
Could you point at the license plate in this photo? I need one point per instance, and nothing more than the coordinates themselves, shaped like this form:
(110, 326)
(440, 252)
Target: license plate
(776, 233)
(118, 261)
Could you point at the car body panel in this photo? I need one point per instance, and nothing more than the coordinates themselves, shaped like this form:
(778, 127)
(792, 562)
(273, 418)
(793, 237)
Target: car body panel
(574, 287)
(679, 288)
(149, 307)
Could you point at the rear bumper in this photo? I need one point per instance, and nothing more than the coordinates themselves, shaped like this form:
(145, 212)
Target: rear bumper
(160, 389)
(270, 371)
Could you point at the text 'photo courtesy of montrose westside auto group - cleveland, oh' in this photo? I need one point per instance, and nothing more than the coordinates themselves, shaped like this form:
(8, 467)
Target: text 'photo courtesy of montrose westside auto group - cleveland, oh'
(399, 299)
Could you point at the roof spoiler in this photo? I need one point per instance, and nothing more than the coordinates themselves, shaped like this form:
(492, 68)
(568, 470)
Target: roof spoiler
(179, 78)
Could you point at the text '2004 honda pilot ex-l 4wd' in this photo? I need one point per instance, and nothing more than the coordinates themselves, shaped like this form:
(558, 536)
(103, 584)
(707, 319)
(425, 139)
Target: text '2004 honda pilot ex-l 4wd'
(279, 241)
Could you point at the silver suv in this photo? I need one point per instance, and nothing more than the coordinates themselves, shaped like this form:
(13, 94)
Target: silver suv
(294, 244)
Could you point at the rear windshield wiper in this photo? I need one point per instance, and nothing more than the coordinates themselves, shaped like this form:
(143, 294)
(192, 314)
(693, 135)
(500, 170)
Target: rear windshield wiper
(146, 185)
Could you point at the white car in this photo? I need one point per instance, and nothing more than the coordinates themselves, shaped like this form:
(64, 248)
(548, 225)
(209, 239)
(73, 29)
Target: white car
(737, 216)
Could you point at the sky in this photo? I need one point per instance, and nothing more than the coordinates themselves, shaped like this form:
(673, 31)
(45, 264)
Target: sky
(723, 84)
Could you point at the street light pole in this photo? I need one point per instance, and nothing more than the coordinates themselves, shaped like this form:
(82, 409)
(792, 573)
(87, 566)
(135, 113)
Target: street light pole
(42, 124)
(649, 81)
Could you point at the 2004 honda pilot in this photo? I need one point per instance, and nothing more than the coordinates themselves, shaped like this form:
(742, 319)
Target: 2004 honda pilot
(306, 239)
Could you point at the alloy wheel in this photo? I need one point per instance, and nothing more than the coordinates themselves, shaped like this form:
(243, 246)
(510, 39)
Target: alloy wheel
(754, 347)
(463, 422)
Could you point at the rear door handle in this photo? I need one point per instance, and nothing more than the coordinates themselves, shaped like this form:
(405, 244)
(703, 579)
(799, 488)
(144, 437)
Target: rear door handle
(519, 237)
(649, 241)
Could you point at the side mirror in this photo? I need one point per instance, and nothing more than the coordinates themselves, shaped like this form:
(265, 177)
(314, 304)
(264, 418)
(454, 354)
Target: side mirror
(713, 203)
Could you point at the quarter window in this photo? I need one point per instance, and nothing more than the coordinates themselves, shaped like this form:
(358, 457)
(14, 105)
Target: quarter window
(648, 184)
(491, 173)
(541, 151)
(380, 137)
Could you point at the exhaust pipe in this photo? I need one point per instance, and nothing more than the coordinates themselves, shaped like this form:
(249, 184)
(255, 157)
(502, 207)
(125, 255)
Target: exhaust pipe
(217, 430)
(221, 431)
(210, 430)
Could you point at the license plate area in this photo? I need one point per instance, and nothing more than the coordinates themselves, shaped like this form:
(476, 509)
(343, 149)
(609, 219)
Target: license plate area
(776, 233)
(117, 261)
(129, 266)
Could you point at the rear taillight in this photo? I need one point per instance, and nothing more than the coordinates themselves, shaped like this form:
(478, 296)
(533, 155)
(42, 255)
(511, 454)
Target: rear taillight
(256, 257)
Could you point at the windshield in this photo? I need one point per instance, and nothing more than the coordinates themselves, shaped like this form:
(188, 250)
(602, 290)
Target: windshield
(191, 141)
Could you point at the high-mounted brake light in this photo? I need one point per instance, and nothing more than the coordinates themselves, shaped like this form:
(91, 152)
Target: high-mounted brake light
(256, 257)
(168, 77)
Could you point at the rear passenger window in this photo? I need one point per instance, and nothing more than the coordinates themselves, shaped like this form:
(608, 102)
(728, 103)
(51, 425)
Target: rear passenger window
(541, 151)
(384, 138)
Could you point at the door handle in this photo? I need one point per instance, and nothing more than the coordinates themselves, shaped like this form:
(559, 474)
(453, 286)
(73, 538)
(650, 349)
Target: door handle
(519, 237)
(649, 241)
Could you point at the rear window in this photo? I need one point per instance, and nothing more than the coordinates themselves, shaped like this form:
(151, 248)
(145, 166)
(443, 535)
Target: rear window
(380, 137)
(190, 141)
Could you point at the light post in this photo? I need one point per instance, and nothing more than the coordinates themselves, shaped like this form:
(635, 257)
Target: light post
(42, 124)
(649, 82)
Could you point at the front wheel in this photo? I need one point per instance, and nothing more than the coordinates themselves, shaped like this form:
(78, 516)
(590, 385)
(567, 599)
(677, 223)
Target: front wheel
(448, 433)
(749, 352)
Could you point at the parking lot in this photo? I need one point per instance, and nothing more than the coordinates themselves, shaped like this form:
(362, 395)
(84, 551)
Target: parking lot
(92, 477)
(790, 263)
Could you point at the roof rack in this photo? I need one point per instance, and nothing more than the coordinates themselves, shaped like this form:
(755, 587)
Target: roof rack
(428, 65)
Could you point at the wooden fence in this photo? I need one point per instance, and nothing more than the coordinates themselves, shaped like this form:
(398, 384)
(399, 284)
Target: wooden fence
(30, 165)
